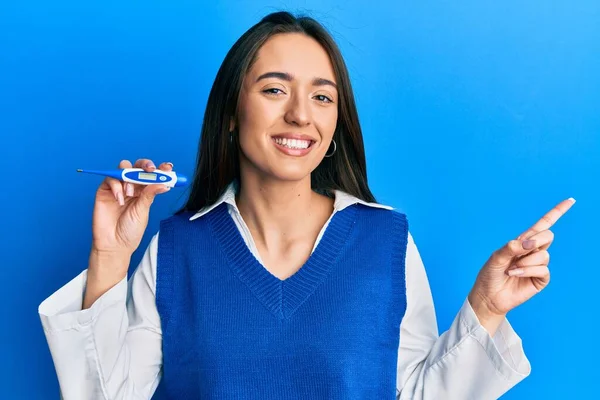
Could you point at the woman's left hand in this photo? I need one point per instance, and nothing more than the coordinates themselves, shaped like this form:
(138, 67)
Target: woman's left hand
(516, 272)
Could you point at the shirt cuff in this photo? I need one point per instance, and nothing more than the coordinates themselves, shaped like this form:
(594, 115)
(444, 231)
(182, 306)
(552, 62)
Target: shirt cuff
(504, 349)
(63, 309)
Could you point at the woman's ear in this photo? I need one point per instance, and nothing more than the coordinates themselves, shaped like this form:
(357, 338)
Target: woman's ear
(231, 124)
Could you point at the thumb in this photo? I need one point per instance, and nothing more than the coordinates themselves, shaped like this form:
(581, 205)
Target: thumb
(515, 248)
(148, 194)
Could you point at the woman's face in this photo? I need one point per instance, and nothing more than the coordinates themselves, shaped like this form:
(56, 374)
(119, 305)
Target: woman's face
(288, 108)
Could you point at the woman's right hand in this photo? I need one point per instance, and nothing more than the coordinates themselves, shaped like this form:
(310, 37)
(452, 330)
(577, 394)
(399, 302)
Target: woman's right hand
(121, 212)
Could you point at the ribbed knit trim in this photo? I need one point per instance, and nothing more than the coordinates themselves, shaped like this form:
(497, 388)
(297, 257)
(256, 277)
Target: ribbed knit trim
(164, 278)
(399, 230)
(282, 297)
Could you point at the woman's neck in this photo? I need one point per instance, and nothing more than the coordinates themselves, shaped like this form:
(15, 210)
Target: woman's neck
(279, 212)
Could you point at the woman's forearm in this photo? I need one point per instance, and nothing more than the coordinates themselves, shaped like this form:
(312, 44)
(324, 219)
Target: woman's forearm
(104, 272)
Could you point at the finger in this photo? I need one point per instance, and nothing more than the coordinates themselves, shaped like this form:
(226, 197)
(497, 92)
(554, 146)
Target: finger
(532, 271)
(148, 194)
(515, 248)
(166, 166)
(549, 219)
(541, 257)
(116, 186)
(542, 240)
(145, 163)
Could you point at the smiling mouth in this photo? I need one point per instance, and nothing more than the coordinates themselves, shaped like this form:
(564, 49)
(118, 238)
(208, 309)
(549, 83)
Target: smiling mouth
(294, 144)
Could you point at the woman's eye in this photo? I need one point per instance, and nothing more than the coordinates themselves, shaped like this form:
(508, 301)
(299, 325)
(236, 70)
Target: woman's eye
(323, 98)
(273, 91)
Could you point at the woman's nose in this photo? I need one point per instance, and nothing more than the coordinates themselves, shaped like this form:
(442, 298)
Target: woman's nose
(298, 112)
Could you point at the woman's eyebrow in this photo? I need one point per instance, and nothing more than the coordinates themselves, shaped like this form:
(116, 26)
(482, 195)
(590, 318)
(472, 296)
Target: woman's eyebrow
(289, 77)
(323, 82)
(281, 75)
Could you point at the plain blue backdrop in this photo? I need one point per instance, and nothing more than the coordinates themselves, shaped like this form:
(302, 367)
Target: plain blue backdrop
(478, 117)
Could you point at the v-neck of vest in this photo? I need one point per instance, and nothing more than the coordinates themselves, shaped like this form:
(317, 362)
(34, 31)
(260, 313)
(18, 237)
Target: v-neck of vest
(282, 296)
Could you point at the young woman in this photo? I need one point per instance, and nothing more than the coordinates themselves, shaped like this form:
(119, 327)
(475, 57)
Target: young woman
(281, 278)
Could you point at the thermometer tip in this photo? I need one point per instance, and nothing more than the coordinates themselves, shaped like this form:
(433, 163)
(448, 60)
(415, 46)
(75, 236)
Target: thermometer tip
(79, 170)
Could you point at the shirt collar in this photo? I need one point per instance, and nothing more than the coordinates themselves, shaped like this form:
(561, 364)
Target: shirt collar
(342, 200)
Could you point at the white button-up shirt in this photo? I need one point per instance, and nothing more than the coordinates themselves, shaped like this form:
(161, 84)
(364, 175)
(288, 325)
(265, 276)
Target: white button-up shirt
(112, 350)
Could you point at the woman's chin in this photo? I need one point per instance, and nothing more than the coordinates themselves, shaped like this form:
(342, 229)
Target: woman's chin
(287, 172)
(291, 174)
(272, 166)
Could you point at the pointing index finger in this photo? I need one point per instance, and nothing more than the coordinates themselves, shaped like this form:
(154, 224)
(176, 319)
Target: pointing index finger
(549, 219)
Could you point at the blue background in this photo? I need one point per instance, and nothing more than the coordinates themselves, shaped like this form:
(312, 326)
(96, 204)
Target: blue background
(478, 117)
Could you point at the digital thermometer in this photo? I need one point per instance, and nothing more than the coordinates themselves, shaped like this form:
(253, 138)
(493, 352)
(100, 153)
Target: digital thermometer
(141, 177)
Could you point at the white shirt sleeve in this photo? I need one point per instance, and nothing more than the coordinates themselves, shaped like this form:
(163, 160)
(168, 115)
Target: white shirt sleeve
(113, 349)
(465, 362)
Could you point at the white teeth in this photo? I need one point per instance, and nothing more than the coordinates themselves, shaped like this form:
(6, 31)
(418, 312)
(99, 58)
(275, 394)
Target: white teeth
(293, 143)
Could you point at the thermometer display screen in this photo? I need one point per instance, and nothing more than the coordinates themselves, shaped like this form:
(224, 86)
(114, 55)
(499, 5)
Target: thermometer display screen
(146, 175)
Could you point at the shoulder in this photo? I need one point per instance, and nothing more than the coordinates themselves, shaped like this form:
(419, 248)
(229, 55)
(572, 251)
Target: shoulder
(375, 211)
(179, 218)
(174, 225)
(188, 223)
(392, 223)
(370, 209)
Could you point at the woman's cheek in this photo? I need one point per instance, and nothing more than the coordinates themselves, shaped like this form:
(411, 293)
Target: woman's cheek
(326, 122)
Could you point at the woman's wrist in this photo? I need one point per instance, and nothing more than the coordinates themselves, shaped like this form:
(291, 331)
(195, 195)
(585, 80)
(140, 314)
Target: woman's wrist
(490, 320)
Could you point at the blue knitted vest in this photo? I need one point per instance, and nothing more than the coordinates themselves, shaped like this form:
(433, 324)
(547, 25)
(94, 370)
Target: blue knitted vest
(232, 330)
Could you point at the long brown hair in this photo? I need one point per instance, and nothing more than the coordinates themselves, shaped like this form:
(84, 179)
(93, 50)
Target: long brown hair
(218, 155)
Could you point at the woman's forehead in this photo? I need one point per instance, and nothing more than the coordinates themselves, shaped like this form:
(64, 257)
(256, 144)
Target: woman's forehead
(296, 54)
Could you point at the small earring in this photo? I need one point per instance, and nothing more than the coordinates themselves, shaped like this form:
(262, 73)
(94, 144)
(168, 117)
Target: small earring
(230, 136)
(334, 149)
